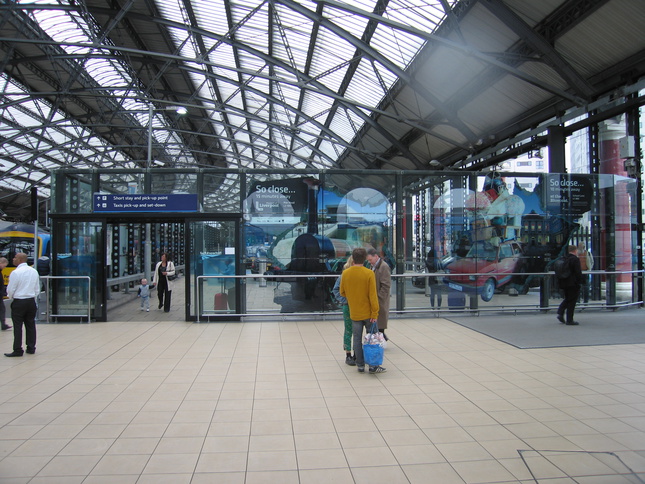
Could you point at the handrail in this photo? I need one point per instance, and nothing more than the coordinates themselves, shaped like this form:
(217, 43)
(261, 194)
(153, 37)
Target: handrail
(89, 298)
(244, 277)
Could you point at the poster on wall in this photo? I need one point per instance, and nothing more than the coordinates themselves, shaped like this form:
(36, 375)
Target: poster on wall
(568, 194)
(275, 204)
(501, 231)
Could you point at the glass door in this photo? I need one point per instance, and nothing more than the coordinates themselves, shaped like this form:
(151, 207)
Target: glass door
(214, 261)
(77, 292)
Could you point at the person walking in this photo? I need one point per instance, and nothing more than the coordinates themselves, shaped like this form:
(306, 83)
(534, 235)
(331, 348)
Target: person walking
(144, 294)
(433, 283)
(3, 293)
(24, 289)
(162, 280)
(570, 286)
(358, 285)
(383, 285)
(586, 264)
(347, 334)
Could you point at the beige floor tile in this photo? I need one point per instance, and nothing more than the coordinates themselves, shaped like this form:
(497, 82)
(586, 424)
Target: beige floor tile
(179, 445)
(482, 471)
(380, 475)
(325, 476)
(221, 462)
(417, 454)
(262, 443)
(87, 447)
(271, 477)
(120, 465)
(22, 467)
(137, 445)
(219, 478)
(367, 456)
(321, 459)
(40, 447)
(171, 463)
(70, 465)
(173, 478)
(272, 461)
(462, 452)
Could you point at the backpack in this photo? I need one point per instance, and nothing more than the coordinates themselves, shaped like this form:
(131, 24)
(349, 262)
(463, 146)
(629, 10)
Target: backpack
(562, 268)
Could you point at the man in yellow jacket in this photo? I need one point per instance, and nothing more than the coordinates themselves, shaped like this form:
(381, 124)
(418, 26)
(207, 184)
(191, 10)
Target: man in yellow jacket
(358, 285)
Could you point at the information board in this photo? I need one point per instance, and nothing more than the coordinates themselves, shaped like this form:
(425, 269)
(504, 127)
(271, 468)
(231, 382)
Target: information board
(174, 202)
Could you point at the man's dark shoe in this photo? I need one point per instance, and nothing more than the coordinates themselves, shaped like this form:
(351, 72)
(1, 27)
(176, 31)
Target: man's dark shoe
(572, 323)
(31, 351)
(361, 369)
(561, 319)
(350, 360)
(11, 355)
(6, 327)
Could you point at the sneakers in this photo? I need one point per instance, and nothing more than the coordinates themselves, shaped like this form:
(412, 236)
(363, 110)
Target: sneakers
(572, 323)
(377, 369)
(147, 310)
(361, 369)
(350, 360)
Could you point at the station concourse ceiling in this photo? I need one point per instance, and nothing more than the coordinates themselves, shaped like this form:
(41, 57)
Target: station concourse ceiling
(284, 84)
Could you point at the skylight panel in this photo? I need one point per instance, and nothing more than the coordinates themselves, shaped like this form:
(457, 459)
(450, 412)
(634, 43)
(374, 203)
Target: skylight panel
(342, 126)
(426, 15)
(396, 46)
(351, 23)
(365, 87)
(210, 15)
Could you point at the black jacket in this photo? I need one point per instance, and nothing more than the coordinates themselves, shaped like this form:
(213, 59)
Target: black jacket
(576, 273)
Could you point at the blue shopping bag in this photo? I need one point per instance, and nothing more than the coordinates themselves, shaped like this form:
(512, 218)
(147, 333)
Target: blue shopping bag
(372, 348)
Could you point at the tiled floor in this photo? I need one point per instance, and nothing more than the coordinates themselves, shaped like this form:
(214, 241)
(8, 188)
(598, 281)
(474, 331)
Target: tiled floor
(160, 401)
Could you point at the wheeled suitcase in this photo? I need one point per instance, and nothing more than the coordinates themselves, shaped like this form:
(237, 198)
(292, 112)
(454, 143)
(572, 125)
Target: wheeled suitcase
(456, 300)
(221, 301)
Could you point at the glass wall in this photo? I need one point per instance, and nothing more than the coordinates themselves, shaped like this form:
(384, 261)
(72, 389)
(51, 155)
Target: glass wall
(453, 240)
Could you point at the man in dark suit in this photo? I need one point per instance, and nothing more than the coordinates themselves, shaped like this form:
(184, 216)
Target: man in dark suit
(570, 286)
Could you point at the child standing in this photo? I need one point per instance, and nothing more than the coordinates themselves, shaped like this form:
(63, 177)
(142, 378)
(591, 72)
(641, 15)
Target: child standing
(144, 294)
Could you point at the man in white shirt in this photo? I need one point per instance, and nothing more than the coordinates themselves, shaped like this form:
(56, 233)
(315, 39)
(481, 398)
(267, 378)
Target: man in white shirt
(23, 289)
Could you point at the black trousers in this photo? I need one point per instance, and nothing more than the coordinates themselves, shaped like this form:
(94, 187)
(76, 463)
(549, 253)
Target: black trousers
(568, 305)
(23, 311)
(164, 296)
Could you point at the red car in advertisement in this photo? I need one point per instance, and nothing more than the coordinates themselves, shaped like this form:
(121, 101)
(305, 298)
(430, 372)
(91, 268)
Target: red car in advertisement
(486, 268)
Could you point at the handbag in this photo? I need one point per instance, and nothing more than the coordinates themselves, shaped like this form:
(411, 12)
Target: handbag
(174, 276)
(373, 346)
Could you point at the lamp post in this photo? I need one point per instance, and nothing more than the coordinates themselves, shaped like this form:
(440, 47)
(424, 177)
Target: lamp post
(147, 250)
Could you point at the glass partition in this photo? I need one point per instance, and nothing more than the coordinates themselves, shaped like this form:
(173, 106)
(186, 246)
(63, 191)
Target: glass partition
(213, 266)
(78, 264)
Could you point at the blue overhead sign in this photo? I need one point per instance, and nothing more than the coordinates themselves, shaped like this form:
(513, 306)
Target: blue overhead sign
(182, 202)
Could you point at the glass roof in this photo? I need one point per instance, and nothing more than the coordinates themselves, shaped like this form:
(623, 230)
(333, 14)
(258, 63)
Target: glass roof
(283, 84)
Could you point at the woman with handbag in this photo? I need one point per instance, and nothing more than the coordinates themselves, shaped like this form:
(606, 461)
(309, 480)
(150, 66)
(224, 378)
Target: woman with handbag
(162, 280)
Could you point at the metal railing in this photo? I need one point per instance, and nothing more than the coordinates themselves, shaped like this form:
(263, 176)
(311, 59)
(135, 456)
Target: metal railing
(546, 287)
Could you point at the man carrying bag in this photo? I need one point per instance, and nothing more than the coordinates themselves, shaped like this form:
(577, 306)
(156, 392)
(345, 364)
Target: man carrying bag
(358, 285)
